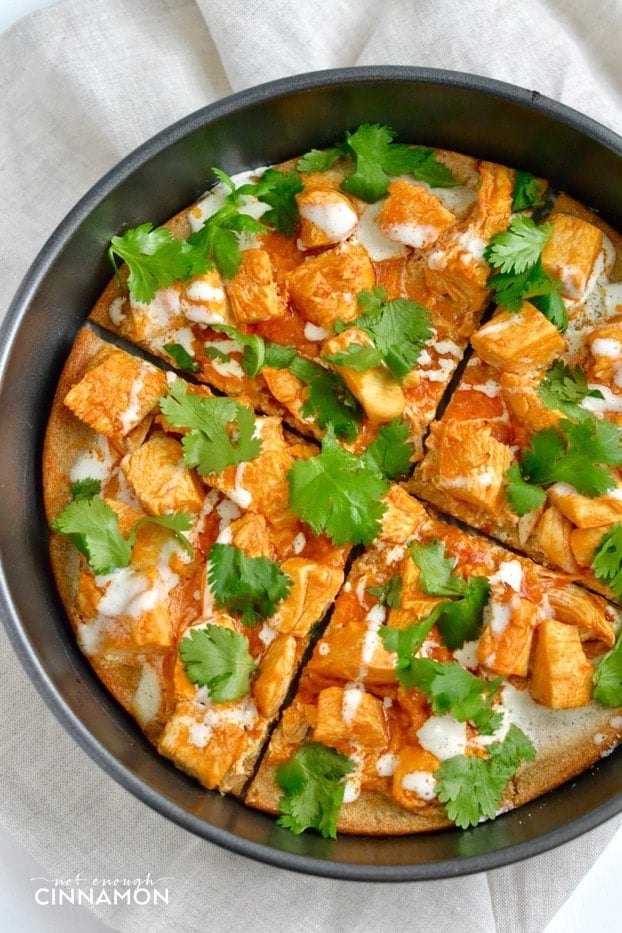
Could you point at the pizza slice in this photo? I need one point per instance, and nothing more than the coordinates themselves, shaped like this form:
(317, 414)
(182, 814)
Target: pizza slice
(337, 291)
(191, 586)
(454, 680)
(529, 447)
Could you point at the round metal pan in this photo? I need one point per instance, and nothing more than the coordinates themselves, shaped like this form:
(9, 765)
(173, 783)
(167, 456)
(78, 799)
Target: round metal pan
(263, 125)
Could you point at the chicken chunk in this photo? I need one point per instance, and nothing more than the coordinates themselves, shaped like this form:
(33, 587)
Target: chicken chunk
(326, 217)
(204, 741)
(402, 517)
(561, 675)
(204, 300)
(253, 291)
(552, 536)
(580, 608)
(340, 656)
(518, 342)
(412, 215)
(324, 287)
(276, 671)
(586, 511)
(413, 779)
(505, 643)
(159, 478)
(571, 252)
(115, 396)
(313, 589)
(350, 714)
(472, 464)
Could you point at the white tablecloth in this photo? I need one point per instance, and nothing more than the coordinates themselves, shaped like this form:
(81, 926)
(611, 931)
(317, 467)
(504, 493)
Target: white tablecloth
(81, 84)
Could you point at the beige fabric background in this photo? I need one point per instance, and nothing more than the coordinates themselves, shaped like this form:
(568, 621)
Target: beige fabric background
(82, 84)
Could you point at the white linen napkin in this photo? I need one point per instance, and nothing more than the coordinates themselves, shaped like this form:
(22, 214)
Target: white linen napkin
(82, 84)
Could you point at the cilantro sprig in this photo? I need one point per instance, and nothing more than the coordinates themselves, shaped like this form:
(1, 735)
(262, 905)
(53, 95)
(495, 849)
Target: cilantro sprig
(376, 157)
(220, 431)
(578, 453)
(528, 191)
(398, 328)
(251, 586)
(313, 784)
(564, 388)
(451, 689)
(155, 258)
(459, 618)
(608, 677)
(607, 560)
(183, 359)
(516, 255)
(218, 658)
(472, 788)
(329, 401)
(338, 493)
(389, 594)
(93, 527)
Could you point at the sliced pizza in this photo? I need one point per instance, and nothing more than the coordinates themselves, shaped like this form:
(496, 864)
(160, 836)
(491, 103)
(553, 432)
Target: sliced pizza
(331, 294)
(455, 680)
(529, 446)
(191, 586)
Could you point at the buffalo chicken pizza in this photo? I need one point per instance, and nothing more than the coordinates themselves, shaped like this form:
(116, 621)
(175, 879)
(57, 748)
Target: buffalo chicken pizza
(334, 482)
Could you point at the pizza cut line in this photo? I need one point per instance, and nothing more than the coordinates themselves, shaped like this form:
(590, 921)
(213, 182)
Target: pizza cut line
(267, 534)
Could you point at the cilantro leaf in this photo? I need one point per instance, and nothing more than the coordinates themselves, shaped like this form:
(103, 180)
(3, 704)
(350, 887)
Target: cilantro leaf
(356, 357)
(369, 145)
(607, 560)
(329, 400)
(319, 160)
(390, 593)
(533, 284)
(376, 157)
(85, 488)
(461, 620)
(608, 676)
(221, 431)
(436, 577)
(528, 191)
(552, 306)
(518, 247)
(182, 358)
(214, 353)
(524, 497)
(93, 527)
(313, 782)
(177, 523)
(218, 658)
(391, 452)
(563, 389)
(155, 259)
(570, 452)
(421, 163)
(472, 788)
(277, 356)
(253, 586)
(405, 643)
(398, 328)
(279, 190)
(338, 493)
(451, 689)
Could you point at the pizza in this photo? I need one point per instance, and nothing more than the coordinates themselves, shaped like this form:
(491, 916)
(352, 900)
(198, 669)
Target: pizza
(332, 479)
